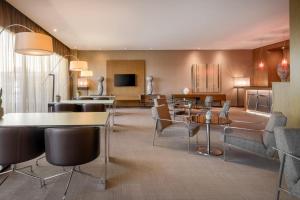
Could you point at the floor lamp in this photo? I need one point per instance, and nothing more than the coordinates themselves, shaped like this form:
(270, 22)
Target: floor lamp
(74, 66)
(240, 82)
(83, 80)
(30, 43)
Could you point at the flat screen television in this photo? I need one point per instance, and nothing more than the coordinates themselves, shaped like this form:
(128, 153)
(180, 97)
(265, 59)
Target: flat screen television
(124, 80)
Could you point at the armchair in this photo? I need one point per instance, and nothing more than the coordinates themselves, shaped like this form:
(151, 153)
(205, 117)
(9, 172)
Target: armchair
(164, 125)
(259, 142)
(287, 141)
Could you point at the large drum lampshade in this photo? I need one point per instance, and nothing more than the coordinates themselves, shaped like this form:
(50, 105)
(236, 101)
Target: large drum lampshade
(31, 43)
(77, 65)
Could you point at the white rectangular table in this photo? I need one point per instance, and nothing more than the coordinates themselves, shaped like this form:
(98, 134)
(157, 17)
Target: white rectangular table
(70, 119)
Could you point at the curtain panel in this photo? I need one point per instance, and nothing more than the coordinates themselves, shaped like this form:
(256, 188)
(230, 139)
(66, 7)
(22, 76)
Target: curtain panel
(10, 15)
(25, 80)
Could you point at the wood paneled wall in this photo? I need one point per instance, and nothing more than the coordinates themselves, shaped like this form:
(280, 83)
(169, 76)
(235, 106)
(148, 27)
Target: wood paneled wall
(271, 56)
(136, 67)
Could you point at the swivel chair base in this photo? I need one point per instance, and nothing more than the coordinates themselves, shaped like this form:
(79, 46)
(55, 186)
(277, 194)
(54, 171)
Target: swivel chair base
(14, 169)
(71, 172)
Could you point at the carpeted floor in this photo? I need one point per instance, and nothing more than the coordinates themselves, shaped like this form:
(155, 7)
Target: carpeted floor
(138, 170)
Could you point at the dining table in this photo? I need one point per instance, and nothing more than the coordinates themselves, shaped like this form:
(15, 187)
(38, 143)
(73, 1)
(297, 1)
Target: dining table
(64, 119)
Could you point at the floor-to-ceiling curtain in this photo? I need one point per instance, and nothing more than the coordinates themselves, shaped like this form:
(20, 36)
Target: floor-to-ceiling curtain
(24, 79)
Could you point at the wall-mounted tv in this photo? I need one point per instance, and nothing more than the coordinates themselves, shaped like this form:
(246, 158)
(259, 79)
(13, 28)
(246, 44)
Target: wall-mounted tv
(123, 80)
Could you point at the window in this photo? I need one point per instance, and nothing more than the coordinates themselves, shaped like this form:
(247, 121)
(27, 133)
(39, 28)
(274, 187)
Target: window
(24, 79)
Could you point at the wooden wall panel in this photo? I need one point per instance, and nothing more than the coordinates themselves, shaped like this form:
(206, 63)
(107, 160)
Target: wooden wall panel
(125, 67)
(271, 56)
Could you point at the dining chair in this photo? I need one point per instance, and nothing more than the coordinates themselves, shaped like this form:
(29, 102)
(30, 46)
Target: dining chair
(85, 98)
(64, 107)
(93, 107)
(20, 144)
(287, 142)
(101, 98)
(60, 149)
(224, 112)
(208, 102)
(164, 125)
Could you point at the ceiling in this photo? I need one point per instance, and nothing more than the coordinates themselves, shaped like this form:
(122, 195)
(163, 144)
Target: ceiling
(161, 24)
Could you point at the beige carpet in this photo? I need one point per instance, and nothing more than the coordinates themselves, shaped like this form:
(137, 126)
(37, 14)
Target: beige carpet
(140, 171)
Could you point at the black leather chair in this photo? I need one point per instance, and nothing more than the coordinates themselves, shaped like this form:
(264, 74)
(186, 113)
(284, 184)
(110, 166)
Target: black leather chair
(92, 107)
(85, 98)
(102, 98)
(64, 107)
(71, 147)
(18, 145)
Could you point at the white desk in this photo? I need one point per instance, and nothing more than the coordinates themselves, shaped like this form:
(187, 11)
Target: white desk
(68, 119)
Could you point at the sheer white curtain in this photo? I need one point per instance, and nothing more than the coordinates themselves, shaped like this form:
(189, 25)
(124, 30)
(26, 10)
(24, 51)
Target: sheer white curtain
(24, 79)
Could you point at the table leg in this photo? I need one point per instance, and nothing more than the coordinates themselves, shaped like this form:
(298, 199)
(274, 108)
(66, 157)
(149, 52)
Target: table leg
(208, 137)
(104, 179)
(208, 150)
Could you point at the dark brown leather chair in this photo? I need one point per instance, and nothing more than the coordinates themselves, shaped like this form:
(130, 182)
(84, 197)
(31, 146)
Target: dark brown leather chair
(101, 98)
(92, 107)
(64, 107)
(85, 98)
(71, 147)
(18, 145)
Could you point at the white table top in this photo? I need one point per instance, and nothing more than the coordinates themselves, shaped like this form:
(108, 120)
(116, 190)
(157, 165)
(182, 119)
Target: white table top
(105, 102)
(95, 96)
(55, 119)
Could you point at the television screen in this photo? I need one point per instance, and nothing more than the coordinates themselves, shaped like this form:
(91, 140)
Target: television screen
(124, 80)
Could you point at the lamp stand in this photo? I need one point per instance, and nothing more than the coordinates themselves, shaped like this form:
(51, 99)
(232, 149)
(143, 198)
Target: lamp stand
(53, 85)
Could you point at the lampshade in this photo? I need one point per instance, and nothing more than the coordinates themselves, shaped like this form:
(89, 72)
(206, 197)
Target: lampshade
(77, 65)
(86, 73)
(241, 82)
(82, 82)
(31, 43)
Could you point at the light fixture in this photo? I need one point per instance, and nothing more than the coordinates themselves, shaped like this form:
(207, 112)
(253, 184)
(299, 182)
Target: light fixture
(75, 65)
(82, 82)
(86, 73)
(78, 65)
(31, 43)
(241, 81)
(261, 64)
(284, 61)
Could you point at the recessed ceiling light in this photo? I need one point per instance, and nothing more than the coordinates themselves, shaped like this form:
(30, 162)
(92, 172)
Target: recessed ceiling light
(55, 30)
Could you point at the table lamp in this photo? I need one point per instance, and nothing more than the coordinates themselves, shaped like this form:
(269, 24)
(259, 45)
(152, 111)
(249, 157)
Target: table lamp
(240, 82)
